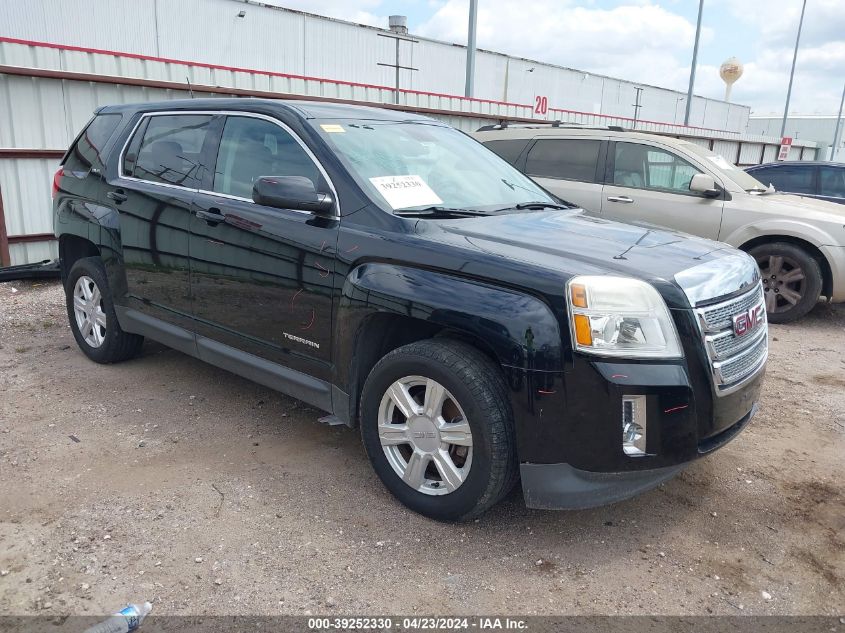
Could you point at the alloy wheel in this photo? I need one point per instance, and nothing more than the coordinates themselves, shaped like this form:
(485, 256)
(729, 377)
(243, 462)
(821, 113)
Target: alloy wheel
(784, 282)
(88, 311)
(425, 435)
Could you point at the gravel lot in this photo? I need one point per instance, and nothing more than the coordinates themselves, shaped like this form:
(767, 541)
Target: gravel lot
(168, 480)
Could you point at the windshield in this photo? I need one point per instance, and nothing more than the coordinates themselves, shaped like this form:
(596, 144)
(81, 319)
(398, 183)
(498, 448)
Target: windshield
(417, 165)
(727, 169)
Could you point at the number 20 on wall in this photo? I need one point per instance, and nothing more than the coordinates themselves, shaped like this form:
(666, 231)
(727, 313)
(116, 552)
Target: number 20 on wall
(541, 105)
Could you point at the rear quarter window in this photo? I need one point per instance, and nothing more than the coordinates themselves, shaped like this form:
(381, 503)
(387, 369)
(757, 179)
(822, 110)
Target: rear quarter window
(832, 181)
(574, 159)
(87, 152)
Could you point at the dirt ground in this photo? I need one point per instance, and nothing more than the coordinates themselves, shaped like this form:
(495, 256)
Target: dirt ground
(168, 480)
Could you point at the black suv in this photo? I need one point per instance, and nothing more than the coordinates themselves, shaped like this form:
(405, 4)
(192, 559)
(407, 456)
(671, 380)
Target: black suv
(815, 179)
(394, 273)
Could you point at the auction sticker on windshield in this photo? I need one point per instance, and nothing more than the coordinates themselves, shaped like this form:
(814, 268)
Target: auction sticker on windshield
(405, 191)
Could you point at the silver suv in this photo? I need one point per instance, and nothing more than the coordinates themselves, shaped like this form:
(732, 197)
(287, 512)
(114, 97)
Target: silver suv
(798, 242)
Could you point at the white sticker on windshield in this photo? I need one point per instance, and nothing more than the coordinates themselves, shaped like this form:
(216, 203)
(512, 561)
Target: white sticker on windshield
(405, 191)
(720, 162)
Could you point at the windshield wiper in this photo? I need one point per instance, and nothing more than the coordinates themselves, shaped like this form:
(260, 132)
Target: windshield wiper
(535, 206)
(538, 205)
(439, 212)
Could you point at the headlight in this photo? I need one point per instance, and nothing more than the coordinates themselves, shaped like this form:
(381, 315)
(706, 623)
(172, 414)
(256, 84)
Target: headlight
(620, 316)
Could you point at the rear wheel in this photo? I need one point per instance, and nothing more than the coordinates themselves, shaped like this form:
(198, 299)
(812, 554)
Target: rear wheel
(792, 280)
(438, 429)
(92, 317)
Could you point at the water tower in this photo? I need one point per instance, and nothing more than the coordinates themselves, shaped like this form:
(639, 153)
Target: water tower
(730, 70)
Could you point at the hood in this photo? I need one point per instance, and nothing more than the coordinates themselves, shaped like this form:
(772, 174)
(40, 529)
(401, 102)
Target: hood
(807, 208)
(570, 243)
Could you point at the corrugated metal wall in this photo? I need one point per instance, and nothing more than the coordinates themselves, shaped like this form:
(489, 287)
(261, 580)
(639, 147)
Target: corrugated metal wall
(816, 128)
(728, 149)
(72, 60)
(281, 40)
(50, 91)
(46, 114)
(750, 154)
(25, 187)
(770, 153)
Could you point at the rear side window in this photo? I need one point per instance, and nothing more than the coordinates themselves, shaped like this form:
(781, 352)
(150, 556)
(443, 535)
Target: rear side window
(508, 149)
(86, 153)
(832, 182)
(791, 179)
(168, 149)
(251, 148)
(562, 158)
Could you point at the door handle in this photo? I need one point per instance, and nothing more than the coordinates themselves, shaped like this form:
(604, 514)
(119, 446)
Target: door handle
(624, 199)
(212, 216)
(118, 196)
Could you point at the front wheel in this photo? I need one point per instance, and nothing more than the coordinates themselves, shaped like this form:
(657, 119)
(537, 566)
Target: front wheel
(792, 280)
(437, 426)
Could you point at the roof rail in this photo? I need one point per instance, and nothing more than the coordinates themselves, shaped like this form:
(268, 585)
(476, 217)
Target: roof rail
(504, 124)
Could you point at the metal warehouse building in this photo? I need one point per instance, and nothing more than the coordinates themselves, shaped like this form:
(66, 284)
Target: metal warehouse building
(818, 128)
(60, 60)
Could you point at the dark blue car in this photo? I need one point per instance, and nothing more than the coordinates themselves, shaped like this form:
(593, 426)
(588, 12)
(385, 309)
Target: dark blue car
(815, 179)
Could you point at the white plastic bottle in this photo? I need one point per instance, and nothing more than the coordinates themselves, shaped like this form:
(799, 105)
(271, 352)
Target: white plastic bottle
(126, 620)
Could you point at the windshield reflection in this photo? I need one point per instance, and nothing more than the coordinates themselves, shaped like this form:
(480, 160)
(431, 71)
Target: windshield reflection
(416, 165)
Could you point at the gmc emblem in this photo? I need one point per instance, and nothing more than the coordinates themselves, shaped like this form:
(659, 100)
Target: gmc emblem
(744, 322)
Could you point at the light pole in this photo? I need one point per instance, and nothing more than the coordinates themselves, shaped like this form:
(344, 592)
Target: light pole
(835, 146)
(473, 20)
(792, 72)
(637, 105)
(694, 61)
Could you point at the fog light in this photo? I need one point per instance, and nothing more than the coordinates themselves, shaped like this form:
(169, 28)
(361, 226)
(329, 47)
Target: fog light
(633, 425)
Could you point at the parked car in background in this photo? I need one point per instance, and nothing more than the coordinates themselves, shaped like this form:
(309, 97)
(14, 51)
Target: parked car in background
(799, 243)
(392, 272)
(815, 179)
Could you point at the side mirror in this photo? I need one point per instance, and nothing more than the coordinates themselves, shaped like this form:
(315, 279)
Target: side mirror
(291, 192)
(705, 184)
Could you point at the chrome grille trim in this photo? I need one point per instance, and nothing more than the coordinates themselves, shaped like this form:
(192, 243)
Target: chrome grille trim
(718, 317)
(734, 360)
(741, 365)
(724, 345)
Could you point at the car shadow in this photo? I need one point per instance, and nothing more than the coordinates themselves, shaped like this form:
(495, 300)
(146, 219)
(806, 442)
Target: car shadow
(686, 494)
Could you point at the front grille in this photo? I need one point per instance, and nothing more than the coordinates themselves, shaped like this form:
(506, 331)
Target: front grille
(740, 366)
(718, 317)
(733, 359)
(726, 344)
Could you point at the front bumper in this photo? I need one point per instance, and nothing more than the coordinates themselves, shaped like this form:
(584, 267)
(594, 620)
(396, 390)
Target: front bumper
(835, 256)
(564, 487)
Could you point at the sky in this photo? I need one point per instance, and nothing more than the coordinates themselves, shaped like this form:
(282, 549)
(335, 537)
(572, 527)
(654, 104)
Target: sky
(645, 41)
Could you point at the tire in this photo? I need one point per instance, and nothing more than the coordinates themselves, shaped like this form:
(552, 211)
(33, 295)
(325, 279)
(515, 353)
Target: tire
(104, 342)
(792, 280)
(475, 399)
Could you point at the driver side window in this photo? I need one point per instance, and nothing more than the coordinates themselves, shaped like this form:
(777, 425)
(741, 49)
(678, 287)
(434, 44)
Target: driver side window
(251, 148)
(647, 167)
